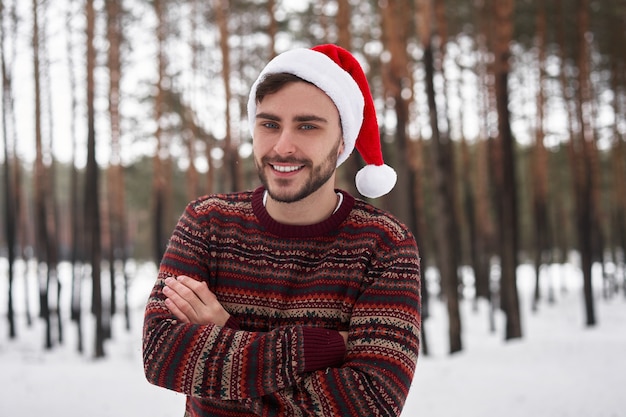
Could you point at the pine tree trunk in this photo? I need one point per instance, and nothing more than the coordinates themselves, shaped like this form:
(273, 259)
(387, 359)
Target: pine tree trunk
(446, 243)
(41, 213)
(9, 182)
(159, 176)
(92, 203)
(77, 255)
(508, 188)
(582, 149)
(539, 168)
(618, 153)
(231, 153)
(485, 224)
(116, 170)
(396, 79)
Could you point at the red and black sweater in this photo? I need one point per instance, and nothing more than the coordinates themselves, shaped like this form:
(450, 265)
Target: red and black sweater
(289, 290)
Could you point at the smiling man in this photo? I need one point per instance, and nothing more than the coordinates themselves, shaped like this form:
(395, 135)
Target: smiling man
(294, 299)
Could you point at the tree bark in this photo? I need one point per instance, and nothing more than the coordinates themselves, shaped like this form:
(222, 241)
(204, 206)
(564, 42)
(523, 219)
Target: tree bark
(483, 243)
(159, 185)
(507, 190)
(581, 150)
(446, 228)
(41, 211)
(231, 154)
(618, 151)
(92, 203)
(539, 167)
(9, 181)
(116, 171)
(77, 253)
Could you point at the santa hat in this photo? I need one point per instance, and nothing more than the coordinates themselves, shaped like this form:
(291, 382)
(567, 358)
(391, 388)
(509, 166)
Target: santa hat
(336, 71)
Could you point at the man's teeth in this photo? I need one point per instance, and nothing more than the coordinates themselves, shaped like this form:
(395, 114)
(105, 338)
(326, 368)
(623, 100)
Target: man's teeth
(282, 168)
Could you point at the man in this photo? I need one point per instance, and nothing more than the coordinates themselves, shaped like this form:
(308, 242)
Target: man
(295, 299)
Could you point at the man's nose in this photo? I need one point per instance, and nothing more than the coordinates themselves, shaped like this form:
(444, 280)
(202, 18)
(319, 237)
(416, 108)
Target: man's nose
(285, 144)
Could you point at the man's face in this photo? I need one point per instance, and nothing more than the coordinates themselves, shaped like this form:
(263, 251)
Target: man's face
(297, 139)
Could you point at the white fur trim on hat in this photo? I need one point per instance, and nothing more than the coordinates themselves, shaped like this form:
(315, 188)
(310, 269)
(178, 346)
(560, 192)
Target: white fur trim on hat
(325, 74)
(375, 180)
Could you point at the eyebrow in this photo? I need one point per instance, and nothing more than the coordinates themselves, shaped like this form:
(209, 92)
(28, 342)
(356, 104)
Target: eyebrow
(299, 118)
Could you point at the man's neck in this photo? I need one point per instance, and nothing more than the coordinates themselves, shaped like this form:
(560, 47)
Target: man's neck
(311, 210)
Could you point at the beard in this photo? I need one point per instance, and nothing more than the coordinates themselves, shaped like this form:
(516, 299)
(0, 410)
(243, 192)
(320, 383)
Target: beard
(319, 176)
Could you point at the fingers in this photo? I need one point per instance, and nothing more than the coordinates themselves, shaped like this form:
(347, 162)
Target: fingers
(171, 305)
(191, 301)
(182, 300)
(194, 289)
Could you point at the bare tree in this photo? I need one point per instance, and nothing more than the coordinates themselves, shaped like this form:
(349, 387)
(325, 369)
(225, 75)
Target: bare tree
(446, 238)
(77, 253)
(539, 168)
(349, 169)
(41, 187)
(482, 239)
(618, 153)
(231, 155)
(52, 209)
(581, 147)
(9, 181)
(117, 209)
(92, 201)
(506, 181)
(160, 180)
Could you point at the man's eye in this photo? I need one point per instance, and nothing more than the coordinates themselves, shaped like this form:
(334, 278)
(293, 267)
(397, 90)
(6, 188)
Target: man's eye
(270, 125)
(307, 127)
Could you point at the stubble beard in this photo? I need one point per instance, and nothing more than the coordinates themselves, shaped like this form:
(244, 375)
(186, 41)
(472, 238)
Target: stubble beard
(319, 176)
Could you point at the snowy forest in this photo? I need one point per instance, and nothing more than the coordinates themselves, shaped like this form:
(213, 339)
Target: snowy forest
(505, 120)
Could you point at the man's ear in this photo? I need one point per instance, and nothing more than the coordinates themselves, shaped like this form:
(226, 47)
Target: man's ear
(341, 147)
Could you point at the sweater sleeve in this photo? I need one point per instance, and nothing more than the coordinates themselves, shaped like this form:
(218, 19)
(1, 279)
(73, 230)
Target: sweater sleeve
(225, 363)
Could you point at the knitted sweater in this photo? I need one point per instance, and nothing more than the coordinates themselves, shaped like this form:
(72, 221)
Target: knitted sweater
(289, 290)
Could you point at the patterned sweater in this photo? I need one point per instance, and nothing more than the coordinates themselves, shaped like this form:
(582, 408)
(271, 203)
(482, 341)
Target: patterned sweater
(289, 290)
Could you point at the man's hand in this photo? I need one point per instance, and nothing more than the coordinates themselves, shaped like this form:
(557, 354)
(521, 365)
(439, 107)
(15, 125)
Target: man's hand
(191, 301)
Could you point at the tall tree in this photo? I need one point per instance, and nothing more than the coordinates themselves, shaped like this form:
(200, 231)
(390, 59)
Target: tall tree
(92, 200)
(77, 253)
(161, 155)
(618, 151)
(52, 210)
(231, 153)
(190, 136)
(344, 39)
(397, 82)
(582, 148)
(446, 228)
(482, 244)
(506, 181)
(117, 209)
(41, 187)
(539, 168)
(9, 181)
(561, 213)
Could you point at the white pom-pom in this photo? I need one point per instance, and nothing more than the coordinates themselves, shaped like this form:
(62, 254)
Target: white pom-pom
(374, 181)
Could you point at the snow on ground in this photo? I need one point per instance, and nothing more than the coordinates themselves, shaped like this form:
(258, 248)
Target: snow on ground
(559, 368)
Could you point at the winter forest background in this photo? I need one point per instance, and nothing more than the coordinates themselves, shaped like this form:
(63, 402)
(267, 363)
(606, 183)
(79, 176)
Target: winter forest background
(505, 120)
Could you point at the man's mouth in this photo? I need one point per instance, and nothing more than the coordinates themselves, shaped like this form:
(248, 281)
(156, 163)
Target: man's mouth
(286, 168)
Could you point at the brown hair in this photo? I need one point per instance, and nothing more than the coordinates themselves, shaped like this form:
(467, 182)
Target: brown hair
(272, 83)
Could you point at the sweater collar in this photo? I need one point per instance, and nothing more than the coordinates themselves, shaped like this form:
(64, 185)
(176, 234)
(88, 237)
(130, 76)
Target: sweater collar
(322, 228)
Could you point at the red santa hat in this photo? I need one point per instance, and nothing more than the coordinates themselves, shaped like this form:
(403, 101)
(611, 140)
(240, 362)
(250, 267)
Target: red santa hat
(336, 71)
